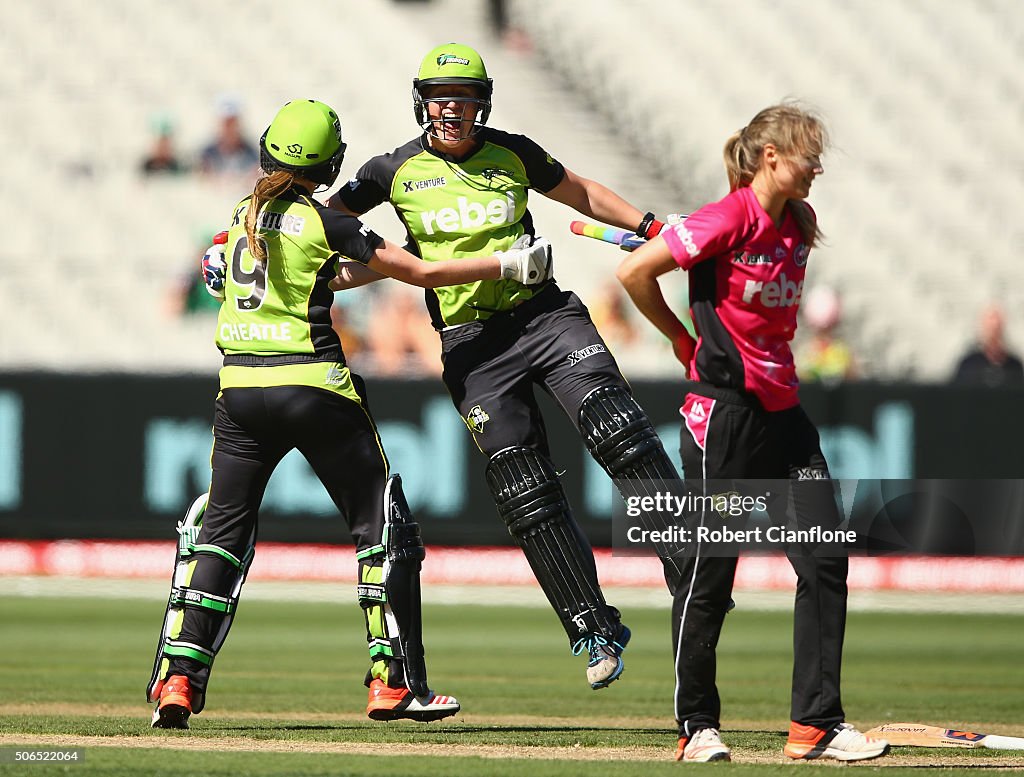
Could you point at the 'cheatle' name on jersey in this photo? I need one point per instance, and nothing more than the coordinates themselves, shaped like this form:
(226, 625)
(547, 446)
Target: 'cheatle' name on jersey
(238, 332)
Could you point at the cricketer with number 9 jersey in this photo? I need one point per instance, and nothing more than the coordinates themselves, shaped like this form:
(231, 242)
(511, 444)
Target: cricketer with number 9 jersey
(283, 305)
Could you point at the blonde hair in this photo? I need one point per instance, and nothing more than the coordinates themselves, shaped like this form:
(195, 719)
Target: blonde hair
(793, 130)
(267, 188)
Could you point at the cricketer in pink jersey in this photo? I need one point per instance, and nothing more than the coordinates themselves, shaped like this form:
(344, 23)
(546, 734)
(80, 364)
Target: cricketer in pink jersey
(746, 278)
(746, 255)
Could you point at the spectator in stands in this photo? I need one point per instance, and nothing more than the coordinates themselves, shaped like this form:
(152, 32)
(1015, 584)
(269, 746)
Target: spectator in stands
(228, 152)
(187, 294)
(746, 257)
(608, 309)
(824, 357)
(989, 362)
(401, 341)
(346, 323)
(162, 157)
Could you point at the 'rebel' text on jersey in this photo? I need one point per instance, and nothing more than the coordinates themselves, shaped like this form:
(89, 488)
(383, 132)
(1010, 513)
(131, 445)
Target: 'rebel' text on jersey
(452, 208)
(746, 279)
(282, 305)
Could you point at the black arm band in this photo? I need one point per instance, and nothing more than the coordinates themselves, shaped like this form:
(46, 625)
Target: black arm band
(650, 227)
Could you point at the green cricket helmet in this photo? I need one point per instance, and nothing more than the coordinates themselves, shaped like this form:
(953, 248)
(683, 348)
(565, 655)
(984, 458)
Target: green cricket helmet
(305, 138)
(453, 64)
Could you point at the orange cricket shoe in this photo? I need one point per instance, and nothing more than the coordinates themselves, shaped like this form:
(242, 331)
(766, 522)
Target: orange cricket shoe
(843, 742)
(175, 704)
(388, 703)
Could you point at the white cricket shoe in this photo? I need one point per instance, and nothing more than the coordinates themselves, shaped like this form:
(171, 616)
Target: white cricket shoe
(843, 742)
(706, 745)
(387, 703)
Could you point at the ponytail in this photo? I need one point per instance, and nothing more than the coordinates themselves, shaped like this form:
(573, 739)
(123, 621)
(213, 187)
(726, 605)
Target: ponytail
(267, 188)
(738, 166)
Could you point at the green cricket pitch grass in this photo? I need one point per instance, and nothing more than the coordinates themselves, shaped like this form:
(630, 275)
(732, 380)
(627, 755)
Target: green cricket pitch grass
(287, 694)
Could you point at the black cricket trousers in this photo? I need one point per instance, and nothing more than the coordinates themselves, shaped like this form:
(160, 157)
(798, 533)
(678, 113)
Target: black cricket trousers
(728, 435)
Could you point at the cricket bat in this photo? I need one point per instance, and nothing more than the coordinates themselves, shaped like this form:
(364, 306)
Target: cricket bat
(920, 735)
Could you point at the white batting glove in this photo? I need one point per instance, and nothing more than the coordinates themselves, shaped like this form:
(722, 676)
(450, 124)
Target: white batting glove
(215, 269)
(526, 263)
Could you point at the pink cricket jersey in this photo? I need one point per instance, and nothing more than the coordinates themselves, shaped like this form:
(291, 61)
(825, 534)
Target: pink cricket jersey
(746, 277)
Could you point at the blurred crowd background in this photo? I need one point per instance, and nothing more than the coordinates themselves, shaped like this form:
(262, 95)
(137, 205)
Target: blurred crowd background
(131, 128)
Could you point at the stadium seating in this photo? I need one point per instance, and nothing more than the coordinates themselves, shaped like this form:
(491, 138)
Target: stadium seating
(923, 99)
(917, 203)
(95, 246)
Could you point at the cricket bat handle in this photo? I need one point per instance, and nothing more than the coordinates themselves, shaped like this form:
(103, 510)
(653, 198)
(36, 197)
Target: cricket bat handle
(627, 241)
(997, 742)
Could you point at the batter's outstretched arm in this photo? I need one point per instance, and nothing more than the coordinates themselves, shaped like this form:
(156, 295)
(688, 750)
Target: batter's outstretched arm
(394, 261)
(525, 264)
(595, 200)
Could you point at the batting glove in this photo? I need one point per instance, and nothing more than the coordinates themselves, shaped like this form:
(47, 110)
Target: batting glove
(215, 269)
(526, 263)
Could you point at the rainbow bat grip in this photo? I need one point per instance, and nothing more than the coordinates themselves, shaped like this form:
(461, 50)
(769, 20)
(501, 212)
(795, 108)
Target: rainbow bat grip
(607, 234)
(627, 241)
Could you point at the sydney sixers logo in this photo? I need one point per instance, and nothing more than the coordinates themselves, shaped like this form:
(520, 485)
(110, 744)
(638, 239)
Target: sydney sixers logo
(800, 255)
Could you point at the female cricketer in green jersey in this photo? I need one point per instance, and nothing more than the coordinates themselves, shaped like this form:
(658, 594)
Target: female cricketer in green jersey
(461, 190)
(285, 385)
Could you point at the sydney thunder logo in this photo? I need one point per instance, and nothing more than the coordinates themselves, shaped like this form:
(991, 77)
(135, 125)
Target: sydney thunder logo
(451, 59)
(476, 419)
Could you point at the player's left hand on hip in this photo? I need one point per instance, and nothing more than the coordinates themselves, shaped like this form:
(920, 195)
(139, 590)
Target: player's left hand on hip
(683, 347)
(527, 263)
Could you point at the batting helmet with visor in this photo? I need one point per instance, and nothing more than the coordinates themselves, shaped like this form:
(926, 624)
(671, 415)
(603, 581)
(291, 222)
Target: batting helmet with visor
(452, 64)
(304, 138)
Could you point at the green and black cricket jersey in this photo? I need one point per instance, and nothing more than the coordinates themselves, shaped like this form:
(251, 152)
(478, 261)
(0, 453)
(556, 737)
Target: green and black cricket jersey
(284, 386)
(276, 314)
(459, 208)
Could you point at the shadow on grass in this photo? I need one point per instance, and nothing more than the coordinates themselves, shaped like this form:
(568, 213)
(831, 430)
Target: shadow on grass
(403, 727)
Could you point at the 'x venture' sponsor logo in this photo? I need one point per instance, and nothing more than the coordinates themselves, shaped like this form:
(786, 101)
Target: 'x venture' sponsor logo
(582, 353)
(425, 183)
(742, 257)
(812, 473)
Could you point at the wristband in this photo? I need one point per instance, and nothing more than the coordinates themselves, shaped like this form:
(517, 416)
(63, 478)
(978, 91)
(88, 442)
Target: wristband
(650, 227)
